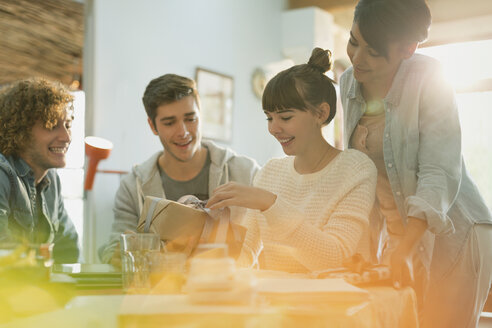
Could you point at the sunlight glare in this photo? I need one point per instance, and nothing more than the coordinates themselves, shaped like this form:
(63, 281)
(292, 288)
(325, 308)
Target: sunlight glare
(463, 63)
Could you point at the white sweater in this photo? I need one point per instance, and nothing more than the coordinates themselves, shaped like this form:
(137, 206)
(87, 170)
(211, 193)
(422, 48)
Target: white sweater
(318, 220)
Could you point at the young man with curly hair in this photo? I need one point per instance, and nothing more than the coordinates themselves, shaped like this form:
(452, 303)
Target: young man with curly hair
(187, 165)
(35, 121)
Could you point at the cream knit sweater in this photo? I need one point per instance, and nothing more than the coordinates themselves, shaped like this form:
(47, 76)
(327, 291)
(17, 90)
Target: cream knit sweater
(318, 219)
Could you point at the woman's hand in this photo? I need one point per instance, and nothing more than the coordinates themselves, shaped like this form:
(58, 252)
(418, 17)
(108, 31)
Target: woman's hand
(401, 260)
(402, 267)
(235, 194)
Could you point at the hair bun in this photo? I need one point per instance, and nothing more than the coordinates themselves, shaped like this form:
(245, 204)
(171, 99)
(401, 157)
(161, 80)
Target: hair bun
(320, 60)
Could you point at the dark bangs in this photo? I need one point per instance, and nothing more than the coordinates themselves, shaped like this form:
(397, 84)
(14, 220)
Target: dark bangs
(375, 25)
(281, 93)
(382, 22)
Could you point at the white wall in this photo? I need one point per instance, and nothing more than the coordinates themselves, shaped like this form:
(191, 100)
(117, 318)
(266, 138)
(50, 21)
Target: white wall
(131, 42)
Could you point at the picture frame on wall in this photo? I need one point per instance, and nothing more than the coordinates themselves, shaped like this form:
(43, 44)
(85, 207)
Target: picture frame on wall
(216, 98)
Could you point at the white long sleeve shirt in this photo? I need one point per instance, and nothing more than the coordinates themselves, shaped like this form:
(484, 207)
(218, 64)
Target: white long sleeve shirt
(317, 220)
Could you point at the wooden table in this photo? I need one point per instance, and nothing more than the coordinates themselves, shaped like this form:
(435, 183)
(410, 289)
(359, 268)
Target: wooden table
(386, 307)
(380, 306)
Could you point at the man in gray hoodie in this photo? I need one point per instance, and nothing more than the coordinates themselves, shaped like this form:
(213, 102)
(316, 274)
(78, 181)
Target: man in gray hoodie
(187, 165)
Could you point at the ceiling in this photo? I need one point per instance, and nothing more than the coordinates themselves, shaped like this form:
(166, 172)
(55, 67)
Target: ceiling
(442, 10)
(41, 38)
(452, 20)
(46, 37)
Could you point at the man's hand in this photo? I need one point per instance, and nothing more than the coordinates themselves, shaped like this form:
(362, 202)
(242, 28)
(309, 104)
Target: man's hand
(235, 194)
(116, 258)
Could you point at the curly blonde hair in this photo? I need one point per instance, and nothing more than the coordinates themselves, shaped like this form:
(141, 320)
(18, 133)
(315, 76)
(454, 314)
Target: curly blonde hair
(25, 102)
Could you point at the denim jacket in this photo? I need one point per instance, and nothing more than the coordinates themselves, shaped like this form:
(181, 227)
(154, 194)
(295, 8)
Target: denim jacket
(422, 155)
(18, 209)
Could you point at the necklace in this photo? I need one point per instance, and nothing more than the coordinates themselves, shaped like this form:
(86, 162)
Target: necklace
(314, 169)
(320, 160)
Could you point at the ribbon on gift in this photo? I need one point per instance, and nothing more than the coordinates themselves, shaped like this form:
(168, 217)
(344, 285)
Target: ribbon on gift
(221, 216)
(188, 222)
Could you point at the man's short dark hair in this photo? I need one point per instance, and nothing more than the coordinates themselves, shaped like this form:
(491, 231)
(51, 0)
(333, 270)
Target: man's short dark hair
(167, 89)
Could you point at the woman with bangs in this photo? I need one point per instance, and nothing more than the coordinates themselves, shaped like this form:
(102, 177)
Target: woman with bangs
(399, 110)
(307, 211)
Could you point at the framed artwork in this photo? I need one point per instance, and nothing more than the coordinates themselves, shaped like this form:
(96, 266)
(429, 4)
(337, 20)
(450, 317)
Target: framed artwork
(216, 94)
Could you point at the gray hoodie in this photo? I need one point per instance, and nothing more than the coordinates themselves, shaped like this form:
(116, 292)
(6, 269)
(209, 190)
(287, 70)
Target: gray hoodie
(145, 180)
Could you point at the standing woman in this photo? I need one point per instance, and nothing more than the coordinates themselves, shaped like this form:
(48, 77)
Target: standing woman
(310, 210)
(399, 111)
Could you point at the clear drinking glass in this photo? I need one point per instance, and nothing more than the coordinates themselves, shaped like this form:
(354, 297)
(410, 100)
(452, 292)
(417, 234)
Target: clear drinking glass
(136, 254)
(167, 272)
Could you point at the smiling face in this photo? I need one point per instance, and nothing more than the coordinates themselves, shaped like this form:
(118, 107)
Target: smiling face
(296, 130)
(370, 66)
(178, 126)
(47, 147)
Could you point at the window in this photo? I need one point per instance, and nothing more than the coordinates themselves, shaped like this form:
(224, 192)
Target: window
(466, 66)
(72, 176)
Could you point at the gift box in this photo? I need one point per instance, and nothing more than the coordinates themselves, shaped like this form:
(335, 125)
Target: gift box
(183, 225)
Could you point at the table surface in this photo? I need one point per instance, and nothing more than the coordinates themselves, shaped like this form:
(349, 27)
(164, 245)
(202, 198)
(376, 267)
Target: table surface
(385, 307)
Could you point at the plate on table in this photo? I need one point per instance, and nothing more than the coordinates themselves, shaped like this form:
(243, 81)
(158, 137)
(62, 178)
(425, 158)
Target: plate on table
(91, 275)
(90, 270)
